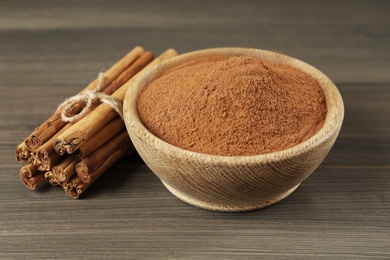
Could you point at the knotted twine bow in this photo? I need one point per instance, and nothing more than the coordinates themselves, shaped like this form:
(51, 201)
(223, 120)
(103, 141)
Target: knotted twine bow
(87, 99)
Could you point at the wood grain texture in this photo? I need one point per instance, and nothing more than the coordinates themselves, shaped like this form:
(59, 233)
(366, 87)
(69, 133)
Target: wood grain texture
(50, 50)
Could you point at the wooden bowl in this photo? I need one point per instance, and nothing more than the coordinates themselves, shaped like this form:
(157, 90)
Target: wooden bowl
(233, 183)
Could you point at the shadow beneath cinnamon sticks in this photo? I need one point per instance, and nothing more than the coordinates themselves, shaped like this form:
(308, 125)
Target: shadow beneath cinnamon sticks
(43, 187)
(119, 178)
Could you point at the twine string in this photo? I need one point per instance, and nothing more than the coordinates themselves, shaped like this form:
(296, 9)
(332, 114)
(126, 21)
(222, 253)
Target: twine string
(86, 100)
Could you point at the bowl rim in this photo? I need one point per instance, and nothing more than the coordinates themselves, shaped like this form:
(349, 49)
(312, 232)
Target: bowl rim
(332, 124)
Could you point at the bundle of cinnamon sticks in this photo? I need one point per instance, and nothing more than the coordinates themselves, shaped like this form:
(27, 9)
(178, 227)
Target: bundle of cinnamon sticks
(75, 154)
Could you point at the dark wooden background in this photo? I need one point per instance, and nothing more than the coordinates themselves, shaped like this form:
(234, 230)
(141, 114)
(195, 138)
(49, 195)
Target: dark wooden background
(49, 50)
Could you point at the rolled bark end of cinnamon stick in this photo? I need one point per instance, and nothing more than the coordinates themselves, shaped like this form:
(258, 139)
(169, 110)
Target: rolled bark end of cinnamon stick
(82, 172)
(65, 169)
(69, 145)
(58, 147)
(32, 142)
(31, 177)
(49, 177)
(59, 174)
(73, 188)
(44, 132)
(41, 159)
(44, 160)
(29, 170)
(22, 153)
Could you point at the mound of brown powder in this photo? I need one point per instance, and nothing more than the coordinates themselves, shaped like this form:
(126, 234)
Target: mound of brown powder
(233, 106)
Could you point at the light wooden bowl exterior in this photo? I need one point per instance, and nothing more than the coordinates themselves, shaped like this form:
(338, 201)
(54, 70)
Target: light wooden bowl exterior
(233, 183)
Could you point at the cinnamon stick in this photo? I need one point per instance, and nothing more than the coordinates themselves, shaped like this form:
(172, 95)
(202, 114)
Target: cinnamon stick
(100, 135)
(46, 130)
(76, 186)
(84, 129)
(127, 74)
(51, 126)
(22, 153)
(29, 170)
(73, 187)
(108, 132)
(49, 177)
(120, 143)
(63, 171)
(31, 177)
(43, 157)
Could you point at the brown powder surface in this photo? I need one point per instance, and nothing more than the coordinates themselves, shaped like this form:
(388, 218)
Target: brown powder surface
(233, 106)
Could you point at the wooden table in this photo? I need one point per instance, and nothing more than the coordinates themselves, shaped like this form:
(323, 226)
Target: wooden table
(49, 50)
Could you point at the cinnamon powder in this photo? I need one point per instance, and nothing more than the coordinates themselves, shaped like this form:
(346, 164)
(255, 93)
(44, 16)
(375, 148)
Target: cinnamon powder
(233, 106)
